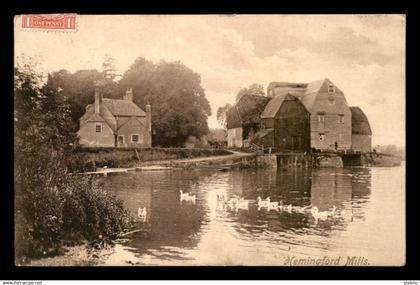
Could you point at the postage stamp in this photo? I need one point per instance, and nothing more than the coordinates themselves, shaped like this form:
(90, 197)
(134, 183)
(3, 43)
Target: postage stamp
(49, 22)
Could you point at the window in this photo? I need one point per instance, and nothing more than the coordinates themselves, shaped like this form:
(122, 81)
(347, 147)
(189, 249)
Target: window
(331, 88)
(120, 140)
(321, 136)
(321, 118)
(341, 119)
(136, 138)
(331, 100)
(340, 137)
(98, 127)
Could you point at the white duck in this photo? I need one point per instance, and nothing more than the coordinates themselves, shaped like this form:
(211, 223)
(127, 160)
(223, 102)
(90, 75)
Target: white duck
(263, 203)
(285, 208)
(273, 206)
(242, 204)
(183, 195)
(301, 209)
(142, 214)
(187, 197)
(322, 215)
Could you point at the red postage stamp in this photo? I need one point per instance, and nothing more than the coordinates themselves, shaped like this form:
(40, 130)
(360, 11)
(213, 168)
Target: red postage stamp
(51, 22)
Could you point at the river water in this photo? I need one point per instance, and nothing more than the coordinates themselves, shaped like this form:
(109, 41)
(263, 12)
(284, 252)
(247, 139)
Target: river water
(367, 228)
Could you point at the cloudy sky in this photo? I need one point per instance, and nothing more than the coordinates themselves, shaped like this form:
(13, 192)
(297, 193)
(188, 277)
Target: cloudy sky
(364, 55)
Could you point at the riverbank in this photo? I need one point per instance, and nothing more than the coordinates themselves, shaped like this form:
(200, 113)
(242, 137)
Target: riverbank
(89, 159)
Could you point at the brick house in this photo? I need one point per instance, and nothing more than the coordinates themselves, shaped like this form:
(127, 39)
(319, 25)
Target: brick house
(115, 123)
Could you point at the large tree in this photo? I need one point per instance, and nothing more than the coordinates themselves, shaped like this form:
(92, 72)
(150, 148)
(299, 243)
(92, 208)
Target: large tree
(79, 87)
(179, 106)
(253, 89)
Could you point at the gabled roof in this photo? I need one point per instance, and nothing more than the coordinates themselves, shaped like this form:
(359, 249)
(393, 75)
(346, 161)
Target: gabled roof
(128, 121)
(359, 122)
(120, 107)
(306, 92)
(273, 106)
(233, 119)
(95, 118)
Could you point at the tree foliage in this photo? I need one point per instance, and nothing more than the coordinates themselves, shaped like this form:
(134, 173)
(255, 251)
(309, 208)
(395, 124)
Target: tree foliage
(253, 89)
(179, 106)
(222, 114)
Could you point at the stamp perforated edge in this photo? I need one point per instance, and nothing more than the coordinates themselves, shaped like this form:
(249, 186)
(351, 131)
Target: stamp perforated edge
(19, 19)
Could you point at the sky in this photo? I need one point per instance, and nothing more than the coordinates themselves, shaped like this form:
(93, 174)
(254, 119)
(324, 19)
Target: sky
(364, 55)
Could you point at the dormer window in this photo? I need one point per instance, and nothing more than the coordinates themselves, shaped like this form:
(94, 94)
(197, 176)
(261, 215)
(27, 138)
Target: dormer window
(98, 127)
(331, 88)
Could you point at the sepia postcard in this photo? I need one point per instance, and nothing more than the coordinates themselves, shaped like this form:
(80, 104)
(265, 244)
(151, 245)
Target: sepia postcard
(216, 140)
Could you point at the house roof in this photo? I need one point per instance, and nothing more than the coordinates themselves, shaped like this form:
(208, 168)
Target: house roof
(120, 107)
(95, 118)
(233, 119)
(359, 122)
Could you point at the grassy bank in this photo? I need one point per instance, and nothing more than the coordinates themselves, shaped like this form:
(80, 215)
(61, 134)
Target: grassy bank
(88, 159)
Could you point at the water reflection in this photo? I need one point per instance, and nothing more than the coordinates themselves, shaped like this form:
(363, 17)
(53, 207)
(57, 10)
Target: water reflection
(208, 232)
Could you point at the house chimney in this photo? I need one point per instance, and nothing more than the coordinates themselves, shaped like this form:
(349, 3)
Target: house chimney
(129, 94)
(149, 116)
(97, 99)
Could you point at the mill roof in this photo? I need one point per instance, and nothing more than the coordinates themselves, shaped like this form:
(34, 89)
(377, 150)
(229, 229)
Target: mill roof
(273, 106)
(306, 92)
(359, 122)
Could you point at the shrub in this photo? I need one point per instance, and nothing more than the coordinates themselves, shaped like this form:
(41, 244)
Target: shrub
(79, 211)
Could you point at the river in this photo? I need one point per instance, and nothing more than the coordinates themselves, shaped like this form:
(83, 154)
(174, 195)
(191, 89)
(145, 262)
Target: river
(367, 228)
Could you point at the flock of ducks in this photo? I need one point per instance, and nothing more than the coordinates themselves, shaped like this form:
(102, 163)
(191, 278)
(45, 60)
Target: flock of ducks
(237, 203)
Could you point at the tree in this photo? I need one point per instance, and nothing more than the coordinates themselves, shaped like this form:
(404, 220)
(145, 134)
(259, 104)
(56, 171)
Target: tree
(51, 205)
(77, 87)
(253, 89)
(108, 67)
(179, 106)
(222, 113)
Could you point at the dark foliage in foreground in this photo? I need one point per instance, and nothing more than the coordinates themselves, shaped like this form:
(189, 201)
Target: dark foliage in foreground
(53, 207)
